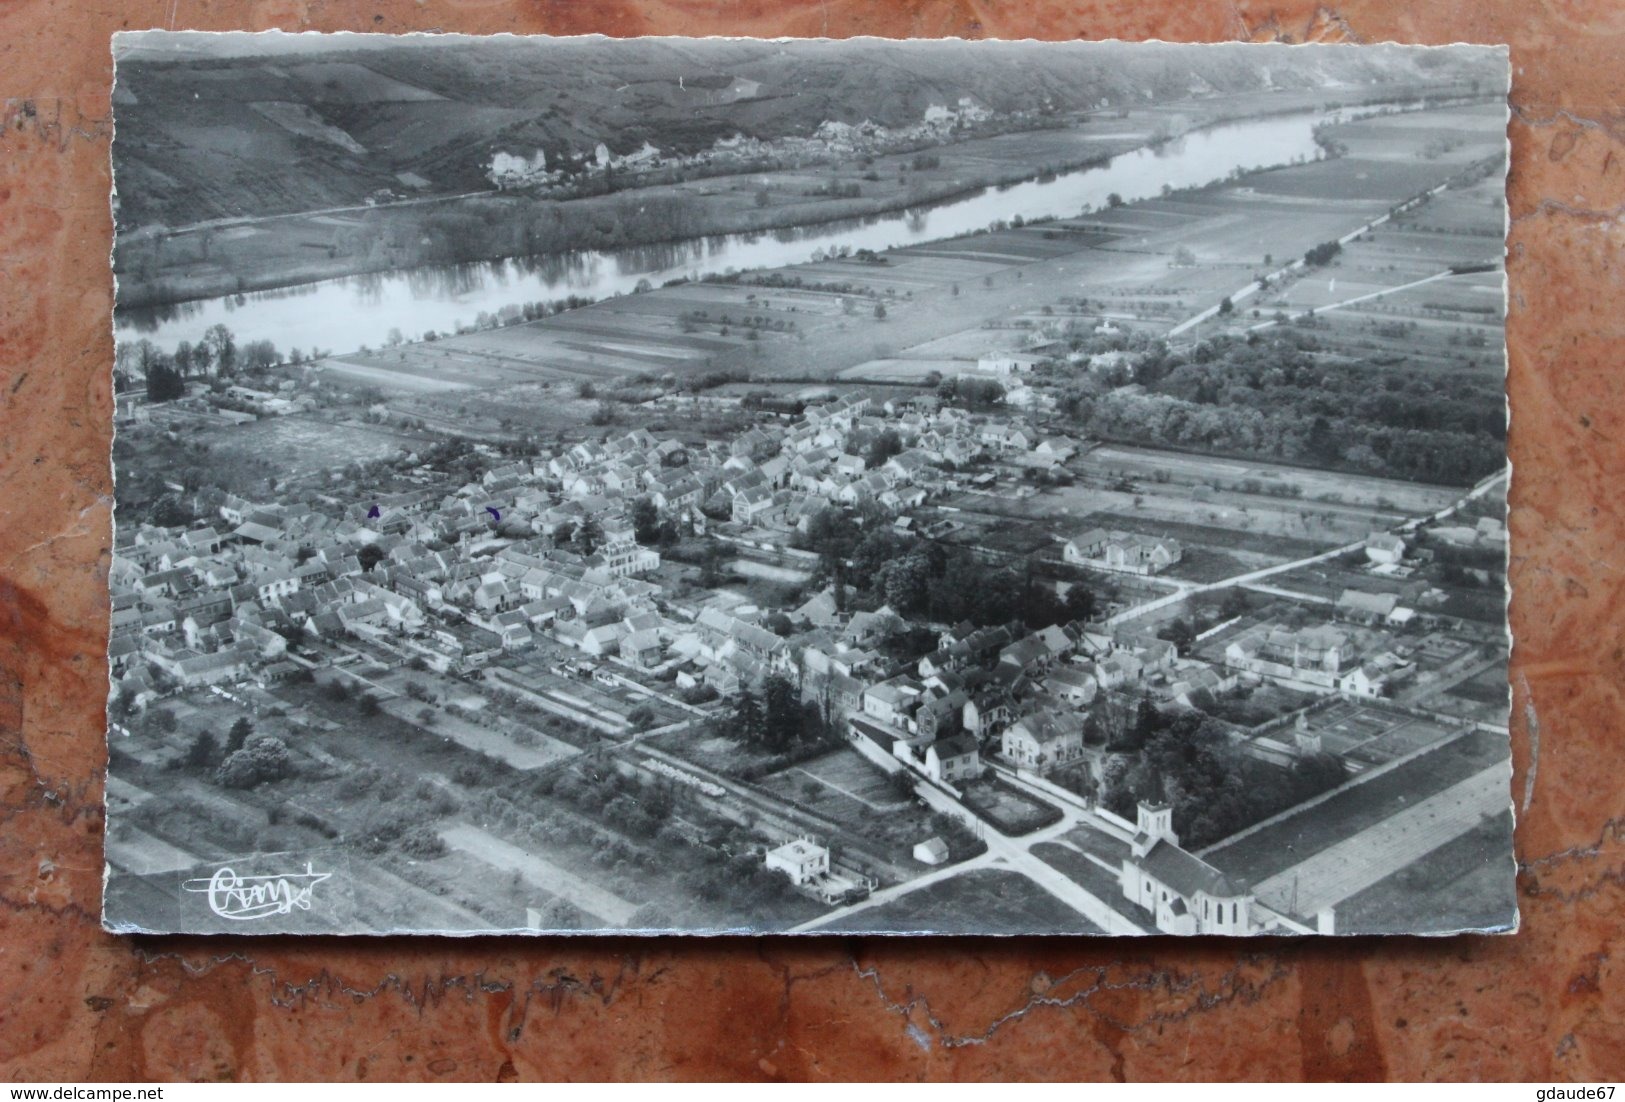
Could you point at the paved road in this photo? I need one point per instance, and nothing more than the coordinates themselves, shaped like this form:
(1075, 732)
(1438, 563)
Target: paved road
(1003, 852)
(1350, 301)
(1255, 286)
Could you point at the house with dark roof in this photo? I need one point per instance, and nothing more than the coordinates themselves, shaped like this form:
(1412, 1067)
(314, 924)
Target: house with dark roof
(953, 760)
(1028, 654)
(1366, 608)
(1044, 741)
(819, 610)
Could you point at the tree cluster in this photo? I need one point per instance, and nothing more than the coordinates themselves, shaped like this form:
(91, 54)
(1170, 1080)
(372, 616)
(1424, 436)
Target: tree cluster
(775, 720)
(1281, 397)
(1214, 787)
(972, 394)
(926, 580)
(266, 760)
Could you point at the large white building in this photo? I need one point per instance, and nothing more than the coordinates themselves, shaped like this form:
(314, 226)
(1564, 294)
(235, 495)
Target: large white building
(1184, 893)
(801, 860)
(1123, 552)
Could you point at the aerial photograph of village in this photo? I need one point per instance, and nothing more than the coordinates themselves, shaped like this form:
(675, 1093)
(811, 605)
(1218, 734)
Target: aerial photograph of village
(702, 486)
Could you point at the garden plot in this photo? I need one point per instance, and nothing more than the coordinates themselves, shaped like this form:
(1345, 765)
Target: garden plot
(846, 788)
(1010, 810)
(1372, 734)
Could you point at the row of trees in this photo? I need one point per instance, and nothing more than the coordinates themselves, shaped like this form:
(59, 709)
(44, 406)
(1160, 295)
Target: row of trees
(216, 355)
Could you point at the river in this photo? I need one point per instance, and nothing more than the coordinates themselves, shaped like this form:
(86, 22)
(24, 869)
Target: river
(342, 315)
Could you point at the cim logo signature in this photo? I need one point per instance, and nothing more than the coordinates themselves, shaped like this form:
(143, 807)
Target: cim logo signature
(246, 898)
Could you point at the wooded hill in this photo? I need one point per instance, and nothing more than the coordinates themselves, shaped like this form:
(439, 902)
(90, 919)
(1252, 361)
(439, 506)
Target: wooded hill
(212, 126)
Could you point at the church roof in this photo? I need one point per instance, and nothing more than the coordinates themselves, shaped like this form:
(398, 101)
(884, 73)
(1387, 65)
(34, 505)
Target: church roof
(1188, 874)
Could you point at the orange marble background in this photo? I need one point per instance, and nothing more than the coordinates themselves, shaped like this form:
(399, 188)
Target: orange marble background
(78, 1004)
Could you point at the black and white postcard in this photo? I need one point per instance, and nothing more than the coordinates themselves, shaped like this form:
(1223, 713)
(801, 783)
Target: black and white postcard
(717, 485)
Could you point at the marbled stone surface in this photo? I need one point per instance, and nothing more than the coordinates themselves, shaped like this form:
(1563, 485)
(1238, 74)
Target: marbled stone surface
(77, 1004)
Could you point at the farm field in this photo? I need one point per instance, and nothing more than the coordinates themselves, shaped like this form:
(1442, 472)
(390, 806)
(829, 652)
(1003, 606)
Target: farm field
(1010, 810)
(1254, 478)
(940, 300)
(939, 297)
(259, 250)
(1463, 882)
(300, 445)
(907, 369)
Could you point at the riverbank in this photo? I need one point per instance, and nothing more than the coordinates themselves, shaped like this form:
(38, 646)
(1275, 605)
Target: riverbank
(290, 250)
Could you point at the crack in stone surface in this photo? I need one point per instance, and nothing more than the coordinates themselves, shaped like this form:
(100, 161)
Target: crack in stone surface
(1153, 980)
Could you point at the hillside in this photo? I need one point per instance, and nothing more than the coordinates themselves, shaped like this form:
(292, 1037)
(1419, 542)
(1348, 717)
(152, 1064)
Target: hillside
(215, 126)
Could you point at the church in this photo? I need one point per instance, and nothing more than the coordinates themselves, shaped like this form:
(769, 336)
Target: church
(1185, 894)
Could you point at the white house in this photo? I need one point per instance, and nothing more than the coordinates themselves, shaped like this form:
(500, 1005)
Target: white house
(1384, 547)
(801, 860)
(1123, 552)
(952, 760)
(1043, 742)
(1009, 363)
